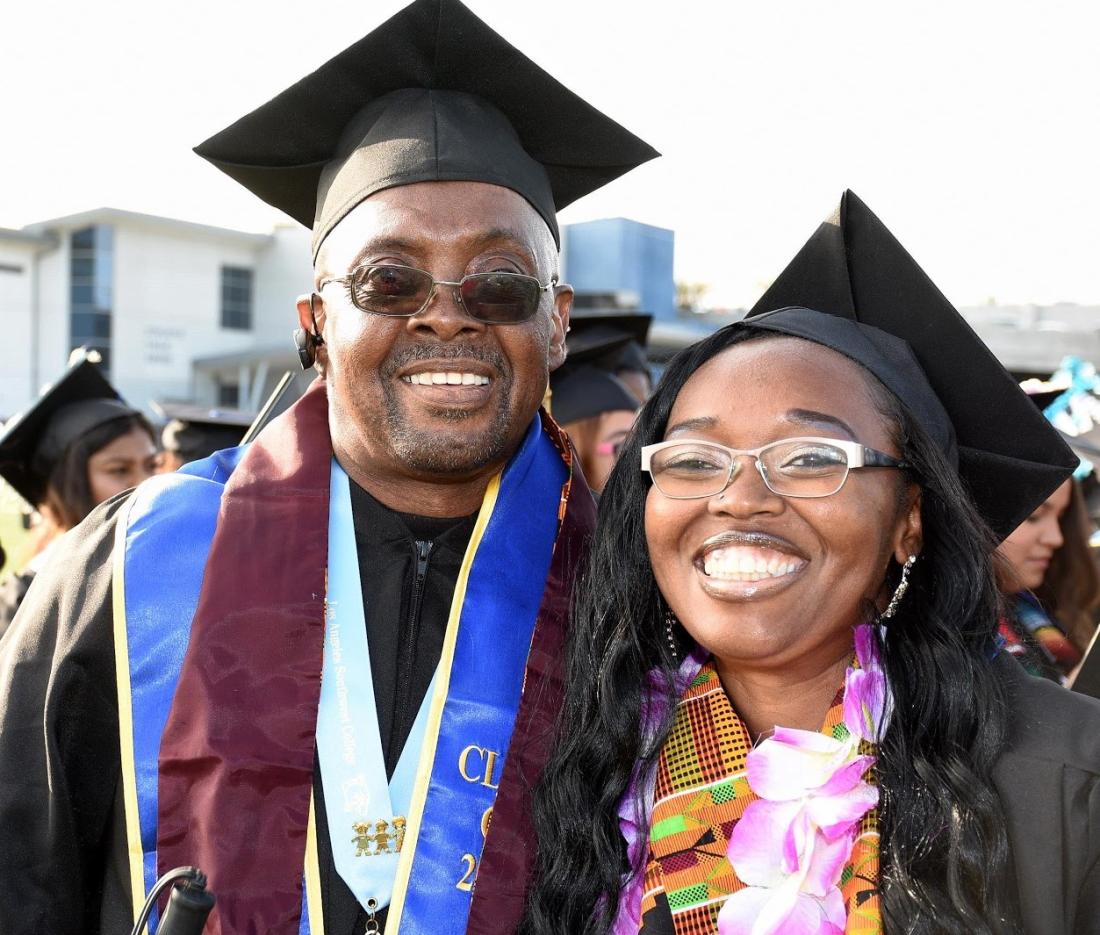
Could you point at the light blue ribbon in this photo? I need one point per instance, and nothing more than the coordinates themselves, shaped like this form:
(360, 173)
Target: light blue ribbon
(353, 767)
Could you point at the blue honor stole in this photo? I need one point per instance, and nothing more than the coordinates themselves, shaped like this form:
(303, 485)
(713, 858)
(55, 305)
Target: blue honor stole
(471, 707)
(453, 760)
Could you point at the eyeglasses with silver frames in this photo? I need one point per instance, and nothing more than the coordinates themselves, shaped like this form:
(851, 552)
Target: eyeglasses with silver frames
(497, 298)
(791, 467)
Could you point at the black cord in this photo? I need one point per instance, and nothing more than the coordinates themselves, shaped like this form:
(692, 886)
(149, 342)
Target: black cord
(191, 874)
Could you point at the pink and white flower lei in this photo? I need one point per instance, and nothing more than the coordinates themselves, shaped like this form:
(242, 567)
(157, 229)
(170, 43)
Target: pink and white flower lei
(791, 845)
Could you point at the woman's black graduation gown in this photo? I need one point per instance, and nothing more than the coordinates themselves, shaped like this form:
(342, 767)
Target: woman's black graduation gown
(63, 861)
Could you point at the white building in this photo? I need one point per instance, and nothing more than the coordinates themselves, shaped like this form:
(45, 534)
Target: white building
(1032, 340)
(179, 311)
(185, 312)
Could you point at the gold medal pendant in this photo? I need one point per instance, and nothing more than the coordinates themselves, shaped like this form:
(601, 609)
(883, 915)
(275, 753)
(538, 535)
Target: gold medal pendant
(377, 835)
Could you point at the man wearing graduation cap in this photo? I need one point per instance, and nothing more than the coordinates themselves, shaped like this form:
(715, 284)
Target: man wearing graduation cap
(336, 652)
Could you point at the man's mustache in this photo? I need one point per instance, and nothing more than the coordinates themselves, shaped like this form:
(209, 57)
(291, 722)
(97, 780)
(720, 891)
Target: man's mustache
(412, 353)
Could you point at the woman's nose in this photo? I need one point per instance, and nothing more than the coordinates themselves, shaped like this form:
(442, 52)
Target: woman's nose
(1052, 534)
(746, 494)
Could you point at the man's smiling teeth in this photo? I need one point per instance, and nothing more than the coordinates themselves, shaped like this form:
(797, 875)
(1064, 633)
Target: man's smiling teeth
(738, 563)
(450, 379)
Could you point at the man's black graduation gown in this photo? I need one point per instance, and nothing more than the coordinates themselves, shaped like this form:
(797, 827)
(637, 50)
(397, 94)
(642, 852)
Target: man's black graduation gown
(63, 865)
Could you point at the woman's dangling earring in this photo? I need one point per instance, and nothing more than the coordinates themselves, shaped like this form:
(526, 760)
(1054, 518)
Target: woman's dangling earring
(670, 622)
(899, 591)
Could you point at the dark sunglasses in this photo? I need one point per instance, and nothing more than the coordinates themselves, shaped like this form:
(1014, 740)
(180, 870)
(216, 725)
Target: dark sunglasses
(404, 291)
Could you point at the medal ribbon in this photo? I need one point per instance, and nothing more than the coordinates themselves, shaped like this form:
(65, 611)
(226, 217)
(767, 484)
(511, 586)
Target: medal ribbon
(366, 814)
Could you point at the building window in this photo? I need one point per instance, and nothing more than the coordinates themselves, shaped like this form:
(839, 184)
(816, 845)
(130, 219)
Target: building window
(91, 289)
(236, 298)
(229, 395)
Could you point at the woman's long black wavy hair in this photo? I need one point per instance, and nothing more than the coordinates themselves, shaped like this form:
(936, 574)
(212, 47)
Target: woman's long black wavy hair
(944, 846)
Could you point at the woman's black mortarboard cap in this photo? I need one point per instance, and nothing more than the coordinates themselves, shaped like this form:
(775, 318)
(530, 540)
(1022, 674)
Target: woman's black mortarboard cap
(433, 94)
(885, 313)
(33, 442)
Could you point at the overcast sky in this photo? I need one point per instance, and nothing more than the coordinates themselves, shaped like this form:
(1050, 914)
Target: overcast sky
(970, 128)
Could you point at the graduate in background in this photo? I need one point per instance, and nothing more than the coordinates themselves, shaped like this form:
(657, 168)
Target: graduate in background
(192, 433)
(78, 445)
(320, 668)
(1051, 577)
(591, 396)
(1053, 582)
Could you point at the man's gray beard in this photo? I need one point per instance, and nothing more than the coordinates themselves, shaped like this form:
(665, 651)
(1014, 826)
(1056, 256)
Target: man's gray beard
(443, 453)
(429, 452)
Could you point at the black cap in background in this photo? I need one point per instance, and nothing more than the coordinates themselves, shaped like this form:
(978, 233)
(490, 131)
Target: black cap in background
(33, 442)
(585, 385)
(433, 94)
(884, 312)
(612, 341)
(196, 432)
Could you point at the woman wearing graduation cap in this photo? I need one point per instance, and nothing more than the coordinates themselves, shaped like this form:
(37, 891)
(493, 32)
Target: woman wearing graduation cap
(76, 447)
(589, 399)
(802, 723)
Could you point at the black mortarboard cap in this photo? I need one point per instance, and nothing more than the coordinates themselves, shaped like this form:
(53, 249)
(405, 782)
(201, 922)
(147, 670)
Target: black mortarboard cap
(884, 312)
(585, 385)
(581, 391)
(195, 432)
(613, 341)
(433, 94)
(33, 442)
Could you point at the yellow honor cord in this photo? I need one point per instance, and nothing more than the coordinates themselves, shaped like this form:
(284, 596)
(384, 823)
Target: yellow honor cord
(312, 876)
(134, 851)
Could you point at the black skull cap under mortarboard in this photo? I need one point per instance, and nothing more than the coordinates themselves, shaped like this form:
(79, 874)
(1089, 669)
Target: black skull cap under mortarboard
(882, 311)
(33, 442)
(433, 94)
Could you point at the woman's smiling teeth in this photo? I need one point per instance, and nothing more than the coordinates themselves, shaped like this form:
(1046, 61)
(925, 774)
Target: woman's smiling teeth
(449, 378)
(741, 563)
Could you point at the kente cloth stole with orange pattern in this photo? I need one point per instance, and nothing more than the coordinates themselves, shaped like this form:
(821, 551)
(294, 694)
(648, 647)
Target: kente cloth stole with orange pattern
(701, 792)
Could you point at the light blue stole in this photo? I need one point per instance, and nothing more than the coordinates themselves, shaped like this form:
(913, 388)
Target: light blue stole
(366, 814)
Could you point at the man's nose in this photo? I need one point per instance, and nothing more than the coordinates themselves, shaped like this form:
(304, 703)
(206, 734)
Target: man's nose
(444, 315)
